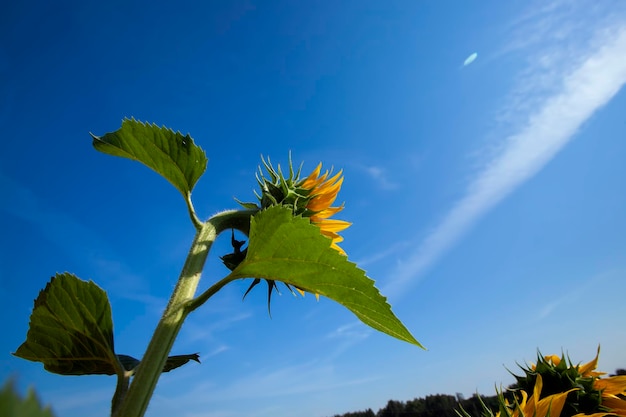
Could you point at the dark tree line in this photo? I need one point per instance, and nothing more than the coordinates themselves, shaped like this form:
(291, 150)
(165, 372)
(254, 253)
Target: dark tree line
(439, 405)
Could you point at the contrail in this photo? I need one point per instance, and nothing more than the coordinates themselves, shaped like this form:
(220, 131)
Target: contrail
(592, 84)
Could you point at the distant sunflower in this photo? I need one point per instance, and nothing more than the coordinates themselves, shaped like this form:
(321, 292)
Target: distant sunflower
(568, 390)
(597, 396)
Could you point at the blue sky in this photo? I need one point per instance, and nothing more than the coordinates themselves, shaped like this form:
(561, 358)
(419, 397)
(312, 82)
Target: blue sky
(487, 200)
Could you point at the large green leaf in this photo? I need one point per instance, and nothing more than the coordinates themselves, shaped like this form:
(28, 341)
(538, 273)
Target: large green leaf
(169, 153)
(71, 329)
(292, 250)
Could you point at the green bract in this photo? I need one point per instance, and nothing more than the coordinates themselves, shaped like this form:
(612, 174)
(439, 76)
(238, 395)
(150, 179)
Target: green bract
(281, 190)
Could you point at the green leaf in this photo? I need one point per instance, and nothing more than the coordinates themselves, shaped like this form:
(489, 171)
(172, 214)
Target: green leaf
(12, 405)
(169, 153)
(130, 364)
(71, 329)
(176, 361)
(292, 250)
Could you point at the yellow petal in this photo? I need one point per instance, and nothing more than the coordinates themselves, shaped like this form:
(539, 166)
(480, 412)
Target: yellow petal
(333, 225)
(323, 197)
(522, 405)
(617, 405)
(554, 359)
(553, 403)
(323, 193)
(320, 204)
(321, 201)
(338, 248)
(587, 368)
(537, 388)
(311, 179)
(302, 293)
(612, 385)
(326, 213)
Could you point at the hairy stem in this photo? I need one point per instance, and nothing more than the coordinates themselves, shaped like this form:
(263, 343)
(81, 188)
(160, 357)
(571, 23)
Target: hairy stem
(136, 401)
(145, 380)
(192, 213)
(123, 380)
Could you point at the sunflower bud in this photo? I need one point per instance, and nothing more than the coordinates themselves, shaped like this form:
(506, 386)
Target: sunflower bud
(276, 189)
(311, 197)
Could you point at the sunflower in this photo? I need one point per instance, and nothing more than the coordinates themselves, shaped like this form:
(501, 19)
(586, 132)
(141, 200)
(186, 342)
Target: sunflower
(569, 391)
(311, 197)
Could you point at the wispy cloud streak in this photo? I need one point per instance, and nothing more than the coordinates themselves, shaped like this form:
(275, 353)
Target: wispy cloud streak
(592, 81)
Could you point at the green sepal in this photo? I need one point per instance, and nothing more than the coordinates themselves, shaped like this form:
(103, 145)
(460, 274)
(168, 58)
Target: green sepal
(280, 190)
(249, 206)
(174, 156)
(71, 329)
(130, 364)
(289, 249)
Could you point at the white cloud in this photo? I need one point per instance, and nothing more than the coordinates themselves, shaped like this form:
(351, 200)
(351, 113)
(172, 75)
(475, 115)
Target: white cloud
(379, 175)
(568, 92)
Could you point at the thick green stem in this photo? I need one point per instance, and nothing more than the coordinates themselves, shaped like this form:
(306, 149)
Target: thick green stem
(123, 380)
(233, 219)
(145, 380)
(136, 401)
